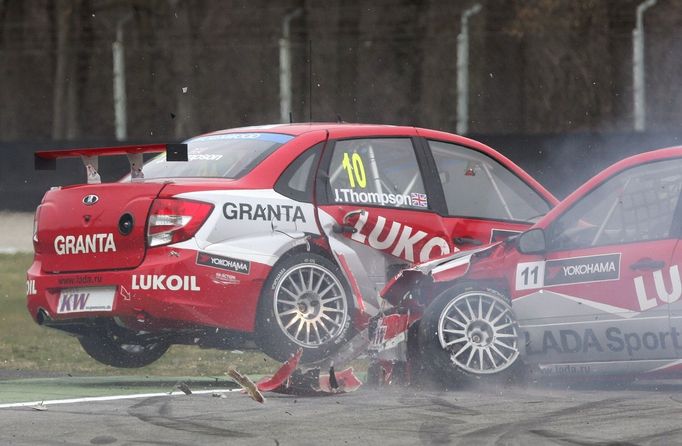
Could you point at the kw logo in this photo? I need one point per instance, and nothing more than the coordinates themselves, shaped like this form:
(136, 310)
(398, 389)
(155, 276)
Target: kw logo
(73, 302)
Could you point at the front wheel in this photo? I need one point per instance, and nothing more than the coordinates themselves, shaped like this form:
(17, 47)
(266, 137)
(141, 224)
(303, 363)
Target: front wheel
(469, 332)
(117, 348)
(305, 304)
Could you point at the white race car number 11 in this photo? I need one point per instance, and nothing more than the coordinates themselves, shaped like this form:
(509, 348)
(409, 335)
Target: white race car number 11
(530, 275)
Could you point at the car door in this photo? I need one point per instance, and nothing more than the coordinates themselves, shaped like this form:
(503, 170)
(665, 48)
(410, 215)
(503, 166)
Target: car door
(598, 295)
(667, 285)
(375, 207)
(484, 201)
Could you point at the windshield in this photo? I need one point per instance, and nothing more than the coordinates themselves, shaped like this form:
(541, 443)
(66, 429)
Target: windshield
(636, 205)
(231, 155)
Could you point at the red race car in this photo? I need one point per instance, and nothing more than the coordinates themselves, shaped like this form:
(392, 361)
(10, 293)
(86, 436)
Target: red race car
(593, 288)
(279, 234)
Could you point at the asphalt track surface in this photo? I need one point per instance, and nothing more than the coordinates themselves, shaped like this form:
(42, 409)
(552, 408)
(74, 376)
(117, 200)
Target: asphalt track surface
(642, 414)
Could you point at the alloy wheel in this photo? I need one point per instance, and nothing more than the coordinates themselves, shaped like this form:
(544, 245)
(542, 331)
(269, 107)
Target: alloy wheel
(310, 305)
(479, 331)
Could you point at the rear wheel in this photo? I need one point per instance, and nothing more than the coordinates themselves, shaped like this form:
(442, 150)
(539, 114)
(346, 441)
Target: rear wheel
(469, 332)
(119, 348)
(305, 304)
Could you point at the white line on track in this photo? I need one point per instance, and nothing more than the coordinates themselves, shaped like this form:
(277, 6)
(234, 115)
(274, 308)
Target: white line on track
(111, 398)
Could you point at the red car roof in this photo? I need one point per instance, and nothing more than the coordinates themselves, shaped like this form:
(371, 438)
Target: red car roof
(345, 130)
(299, 128)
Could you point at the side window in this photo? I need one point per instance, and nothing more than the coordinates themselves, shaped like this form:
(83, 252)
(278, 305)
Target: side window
(296, 182)
(635, 205)
(475, 185)
(376, 172)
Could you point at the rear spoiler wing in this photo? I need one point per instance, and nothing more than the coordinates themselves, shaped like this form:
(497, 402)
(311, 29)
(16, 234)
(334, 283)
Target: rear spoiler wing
(47, 159)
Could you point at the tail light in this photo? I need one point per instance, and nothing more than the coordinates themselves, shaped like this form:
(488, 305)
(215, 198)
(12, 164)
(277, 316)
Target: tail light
(174, 220)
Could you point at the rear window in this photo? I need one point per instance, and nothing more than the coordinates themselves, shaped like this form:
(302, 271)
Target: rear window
(231, 155)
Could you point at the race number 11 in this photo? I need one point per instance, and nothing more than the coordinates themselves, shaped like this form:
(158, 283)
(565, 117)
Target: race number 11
(355, 169)
(530, 275)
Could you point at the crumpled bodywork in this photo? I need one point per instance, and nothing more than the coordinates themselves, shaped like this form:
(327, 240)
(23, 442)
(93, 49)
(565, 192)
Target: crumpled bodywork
(291, 380)
(410, 244)
(592, 289)
(405, 297)
(444, 269)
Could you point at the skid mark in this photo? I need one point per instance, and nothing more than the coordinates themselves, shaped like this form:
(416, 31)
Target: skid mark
(158, 412)
(506, 432)
(576, 440)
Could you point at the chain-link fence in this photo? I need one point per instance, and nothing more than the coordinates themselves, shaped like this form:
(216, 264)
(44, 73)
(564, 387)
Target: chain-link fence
(542, 66)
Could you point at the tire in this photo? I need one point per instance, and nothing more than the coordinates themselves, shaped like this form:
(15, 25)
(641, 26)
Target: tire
(305, 303)
(469, 333)
(117, 348)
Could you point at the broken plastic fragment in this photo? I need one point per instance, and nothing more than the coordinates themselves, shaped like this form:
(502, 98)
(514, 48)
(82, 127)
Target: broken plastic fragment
(40, 406)
(291, 380)
(246, 384)
(281, 375)
(184, 388)
(346, 382)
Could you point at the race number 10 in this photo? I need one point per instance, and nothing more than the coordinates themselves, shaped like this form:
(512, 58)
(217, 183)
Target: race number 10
(355, 169)
(530, 275)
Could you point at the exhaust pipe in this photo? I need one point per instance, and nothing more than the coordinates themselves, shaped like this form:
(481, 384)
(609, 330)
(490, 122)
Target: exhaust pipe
(42, 317)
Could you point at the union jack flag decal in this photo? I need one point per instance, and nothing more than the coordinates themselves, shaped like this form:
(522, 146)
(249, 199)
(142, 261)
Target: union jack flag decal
(419, 200)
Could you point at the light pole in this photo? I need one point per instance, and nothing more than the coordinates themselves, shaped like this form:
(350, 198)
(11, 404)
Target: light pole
(285, 65)
(120, 99)
(638, 71)
(463, 69)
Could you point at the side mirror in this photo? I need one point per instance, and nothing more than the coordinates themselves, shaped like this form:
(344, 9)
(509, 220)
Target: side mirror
(532, 242)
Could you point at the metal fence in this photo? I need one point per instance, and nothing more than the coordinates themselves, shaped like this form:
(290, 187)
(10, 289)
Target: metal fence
(171, 69)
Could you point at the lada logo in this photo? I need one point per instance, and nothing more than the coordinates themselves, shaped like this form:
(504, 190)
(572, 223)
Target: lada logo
(89, 200)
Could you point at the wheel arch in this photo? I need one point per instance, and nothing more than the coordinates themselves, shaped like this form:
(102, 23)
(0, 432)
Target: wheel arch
(498, 285)
(304, 248)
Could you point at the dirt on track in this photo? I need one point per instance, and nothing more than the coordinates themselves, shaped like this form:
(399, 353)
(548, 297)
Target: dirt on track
(16, 230)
